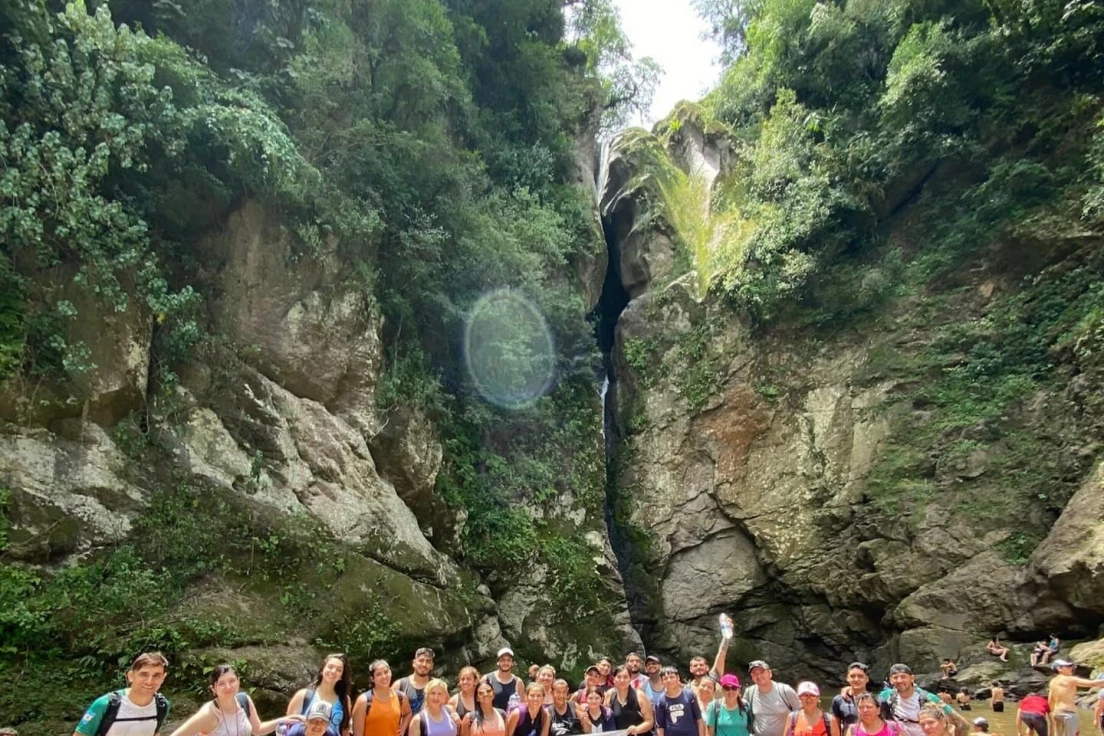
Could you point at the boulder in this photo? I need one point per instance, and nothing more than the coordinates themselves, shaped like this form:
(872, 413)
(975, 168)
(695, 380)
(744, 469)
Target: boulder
(1070, 561)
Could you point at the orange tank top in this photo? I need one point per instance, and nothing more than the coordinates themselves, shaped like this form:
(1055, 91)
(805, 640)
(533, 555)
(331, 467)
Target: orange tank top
(384, 716)
(801, 727)
(491, 726)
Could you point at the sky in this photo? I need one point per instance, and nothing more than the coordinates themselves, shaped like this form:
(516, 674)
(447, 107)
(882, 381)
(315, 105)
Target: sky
(670, 32)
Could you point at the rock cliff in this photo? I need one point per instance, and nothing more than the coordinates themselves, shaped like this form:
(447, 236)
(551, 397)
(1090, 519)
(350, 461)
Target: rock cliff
(812, 481)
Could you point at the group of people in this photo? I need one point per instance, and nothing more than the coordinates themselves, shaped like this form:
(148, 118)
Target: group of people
(639, 697)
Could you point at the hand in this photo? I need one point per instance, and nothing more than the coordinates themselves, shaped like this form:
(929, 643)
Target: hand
(293, 719)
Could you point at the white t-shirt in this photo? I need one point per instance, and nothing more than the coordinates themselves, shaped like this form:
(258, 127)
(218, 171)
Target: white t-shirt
(132, 720)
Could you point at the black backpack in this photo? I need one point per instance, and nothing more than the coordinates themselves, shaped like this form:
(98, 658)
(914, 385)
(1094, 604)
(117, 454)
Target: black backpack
(115, 701)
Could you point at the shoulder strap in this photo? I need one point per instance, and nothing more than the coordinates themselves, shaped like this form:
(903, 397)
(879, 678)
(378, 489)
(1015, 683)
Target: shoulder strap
(827, 724)
(423, 722)
(793, 721)
(162, 710)
(114, 702)
(368, 702)
(243, 701)
(308, 696)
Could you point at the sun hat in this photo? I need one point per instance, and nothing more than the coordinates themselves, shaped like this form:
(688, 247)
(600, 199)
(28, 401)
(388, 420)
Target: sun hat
(730, 681)
(808, 688)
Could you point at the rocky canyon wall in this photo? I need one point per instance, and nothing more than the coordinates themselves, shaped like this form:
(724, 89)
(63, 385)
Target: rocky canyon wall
(760, 471)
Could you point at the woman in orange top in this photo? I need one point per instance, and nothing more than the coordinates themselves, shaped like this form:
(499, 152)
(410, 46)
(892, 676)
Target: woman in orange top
(380, 711)
(810, 720)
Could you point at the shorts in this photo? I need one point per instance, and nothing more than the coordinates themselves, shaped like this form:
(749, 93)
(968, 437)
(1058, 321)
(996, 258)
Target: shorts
(998, 706)
(964, 706)
(1036, 722)
(1065, 723)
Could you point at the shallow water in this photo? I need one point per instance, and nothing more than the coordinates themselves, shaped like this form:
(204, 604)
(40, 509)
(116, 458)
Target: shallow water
(1004, 724)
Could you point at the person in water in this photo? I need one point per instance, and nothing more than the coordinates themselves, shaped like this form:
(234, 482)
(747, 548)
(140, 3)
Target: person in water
(631, 708)
(963, 699)
(844, 708)
(435, 717)
(333, 685)
(138, 709)
(981, 726)
(730, 715)
(1062, 694)
(231, 712)
(996, 697)
(1032, 716)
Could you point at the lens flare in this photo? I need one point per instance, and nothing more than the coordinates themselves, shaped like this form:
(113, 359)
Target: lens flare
(510, 354)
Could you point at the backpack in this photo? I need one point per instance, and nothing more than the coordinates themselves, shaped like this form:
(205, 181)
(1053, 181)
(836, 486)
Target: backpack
(824, 719)
(243, 701)
(115, 701)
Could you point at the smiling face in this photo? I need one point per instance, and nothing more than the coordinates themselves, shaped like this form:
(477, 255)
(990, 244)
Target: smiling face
(559, 693)
(594, 700)
(761, 676)
(651, 667)
(593, 678)
(227, 685)
(868, 710)
(467, 682)
(332, 670)
(902, 681)
(671, 682)
(316, 726)
(622, 679)
(546, 677)
(634, 663)
(604, 667)
(437, 696)
(698, 667)
(484, 695)
(505, 663)
(147, 680)
(534, 697)
(858, 680)
(808, 701)
(707, 688)
(381, 676)
(422, 665)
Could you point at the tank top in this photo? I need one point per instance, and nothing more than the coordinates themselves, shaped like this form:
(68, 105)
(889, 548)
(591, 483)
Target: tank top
(651, 692)
(529, 725)
(461, 709)
(495, 726)
(889, 728)
(802, 728)
(563, 724)
(443, 727)
(413, 694)
(502, 691)
(235, 725)
(628, 714)
(337, 711)
(384, 716)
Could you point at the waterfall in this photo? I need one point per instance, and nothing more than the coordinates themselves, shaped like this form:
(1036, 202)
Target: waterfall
(601, 171)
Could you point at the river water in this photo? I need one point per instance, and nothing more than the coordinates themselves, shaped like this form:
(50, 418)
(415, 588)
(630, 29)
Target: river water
(1004, 724)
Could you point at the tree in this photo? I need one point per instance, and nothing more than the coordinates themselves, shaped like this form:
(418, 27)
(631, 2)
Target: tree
(728, 21)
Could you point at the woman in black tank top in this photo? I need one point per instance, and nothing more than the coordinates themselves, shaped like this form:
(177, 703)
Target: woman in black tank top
(463, 702)
(631, 708)
(530, 720)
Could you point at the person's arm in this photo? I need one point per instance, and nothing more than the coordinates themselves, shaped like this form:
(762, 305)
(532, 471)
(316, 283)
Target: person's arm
(660, 720)
(520, 689)
(719, 660)
(647, 715)
(260, 728)
(835, 721)
(696, 714)
(357, 717)
(202, 721)
(511, 721)
(709, 730)
(90, 722)
(404, 722)
(790, 696)
(546, 722)
(788, 730)
(416, 728)
(1019, 724)
(295, 705)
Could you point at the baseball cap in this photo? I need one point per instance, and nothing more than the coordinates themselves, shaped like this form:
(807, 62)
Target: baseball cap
(319, 710)
(730, 681)
(592, 668)
(900, 669)
(503, 652)
(981, 722)
(808, 688)
(1061, 663)
(652, 658)
(757, 664)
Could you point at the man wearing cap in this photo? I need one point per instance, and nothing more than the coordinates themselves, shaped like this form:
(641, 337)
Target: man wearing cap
(652, 685)
(901, 703)
(504, 682)
(413, 686)
(771, 702)
(1060, 697)
(677, 712)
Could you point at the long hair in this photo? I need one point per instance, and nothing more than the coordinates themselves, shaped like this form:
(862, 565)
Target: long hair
(479, 717)
(343, 687)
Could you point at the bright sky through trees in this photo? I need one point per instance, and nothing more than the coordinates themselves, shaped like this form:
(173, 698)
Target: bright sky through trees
(670, 32)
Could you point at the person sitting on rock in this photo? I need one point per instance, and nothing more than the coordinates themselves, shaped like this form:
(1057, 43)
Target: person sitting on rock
(963, 699)
(950, 669)
(1054, 645)
(1040, 654)
(995, 648)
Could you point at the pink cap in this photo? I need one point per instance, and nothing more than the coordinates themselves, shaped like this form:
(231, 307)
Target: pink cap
(808, 688)
(730, 681)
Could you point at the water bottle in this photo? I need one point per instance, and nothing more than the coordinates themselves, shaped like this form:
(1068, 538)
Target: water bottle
(281, 727)
(515, 702)
(726, 627)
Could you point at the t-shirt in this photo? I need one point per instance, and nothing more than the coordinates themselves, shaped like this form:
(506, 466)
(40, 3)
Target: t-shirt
(1035, 704)
(844, 710)
(725, 722)
(678, 715)
(772, 709)
(563, 724)
(131, 720)
(906, 711)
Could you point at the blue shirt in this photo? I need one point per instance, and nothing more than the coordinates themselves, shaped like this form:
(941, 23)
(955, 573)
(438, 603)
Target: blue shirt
(678, 715)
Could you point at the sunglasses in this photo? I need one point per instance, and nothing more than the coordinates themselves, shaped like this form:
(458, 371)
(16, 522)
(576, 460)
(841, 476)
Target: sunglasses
(729, 688)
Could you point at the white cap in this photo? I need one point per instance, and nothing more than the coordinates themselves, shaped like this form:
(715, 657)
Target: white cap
(808, 688)
(504, 651)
